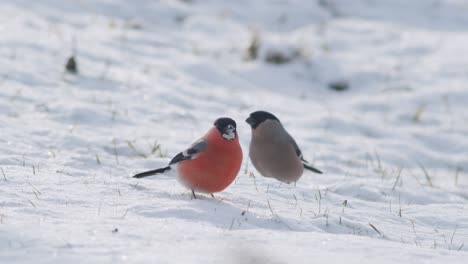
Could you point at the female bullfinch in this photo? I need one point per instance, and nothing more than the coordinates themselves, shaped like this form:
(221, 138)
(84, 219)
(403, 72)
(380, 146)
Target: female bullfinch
(273, 152)
(211, 163)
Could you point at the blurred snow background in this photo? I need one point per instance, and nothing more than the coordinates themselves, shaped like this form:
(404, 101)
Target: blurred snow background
(375, 92)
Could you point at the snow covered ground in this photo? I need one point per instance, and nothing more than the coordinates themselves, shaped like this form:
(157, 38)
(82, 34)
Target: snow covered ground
(154, 75)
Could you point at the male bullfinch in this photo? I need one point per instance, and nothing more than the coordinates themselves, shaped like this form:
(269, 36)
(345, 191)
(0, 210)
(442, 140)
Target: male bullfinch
(273, 152)
(211, 163)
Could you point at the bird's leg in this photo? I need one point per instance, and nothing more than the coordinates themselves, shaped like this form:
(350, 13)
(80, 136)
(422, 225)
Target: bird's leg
(193, 193)
(212, 195)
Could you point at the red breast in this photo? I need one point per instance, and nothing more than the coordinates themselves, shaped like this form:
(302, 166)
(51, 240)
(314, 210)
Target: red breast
(215, 168)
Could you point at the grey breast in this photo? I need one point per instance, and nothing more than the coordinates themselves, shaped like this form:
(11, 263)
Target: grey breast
(273, 154)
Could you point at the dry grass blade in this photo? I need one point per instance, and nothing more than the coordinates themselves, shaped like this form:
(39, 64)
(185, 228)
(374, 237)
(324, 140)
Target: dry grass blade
(98, 160)
(246, 167)
(457, 173)
(116, 154)
(254, 46)
(277, 217)
(32, 186)
(132, 147)
(376, 230)
(397, 179)
(232, 224)
(379, 163)
(4, 176)
(255, 182)
(246, 210)
(155, 147)
(125, 214)
(419, 112)
(453, 235)
(32, 203)
(269, 206)
(426, 174)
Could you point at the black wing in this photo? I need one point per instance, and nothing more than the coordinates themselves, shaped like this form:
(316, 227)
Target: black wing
(189, 153)
(296, 148)
(299, 154)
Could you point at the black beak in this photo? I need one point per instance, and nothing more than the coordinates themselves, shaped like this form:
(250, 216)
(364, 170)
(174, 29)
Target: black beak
(250, 121)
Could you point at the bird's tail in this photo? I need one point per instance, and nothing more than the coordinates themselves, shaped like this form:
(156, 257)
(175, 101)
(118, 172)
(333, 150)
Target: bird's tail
(311, 168)
(151, 172)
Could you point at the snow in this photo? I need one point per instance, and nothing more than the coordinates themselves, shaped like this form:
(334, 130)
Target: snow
(154, 75)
